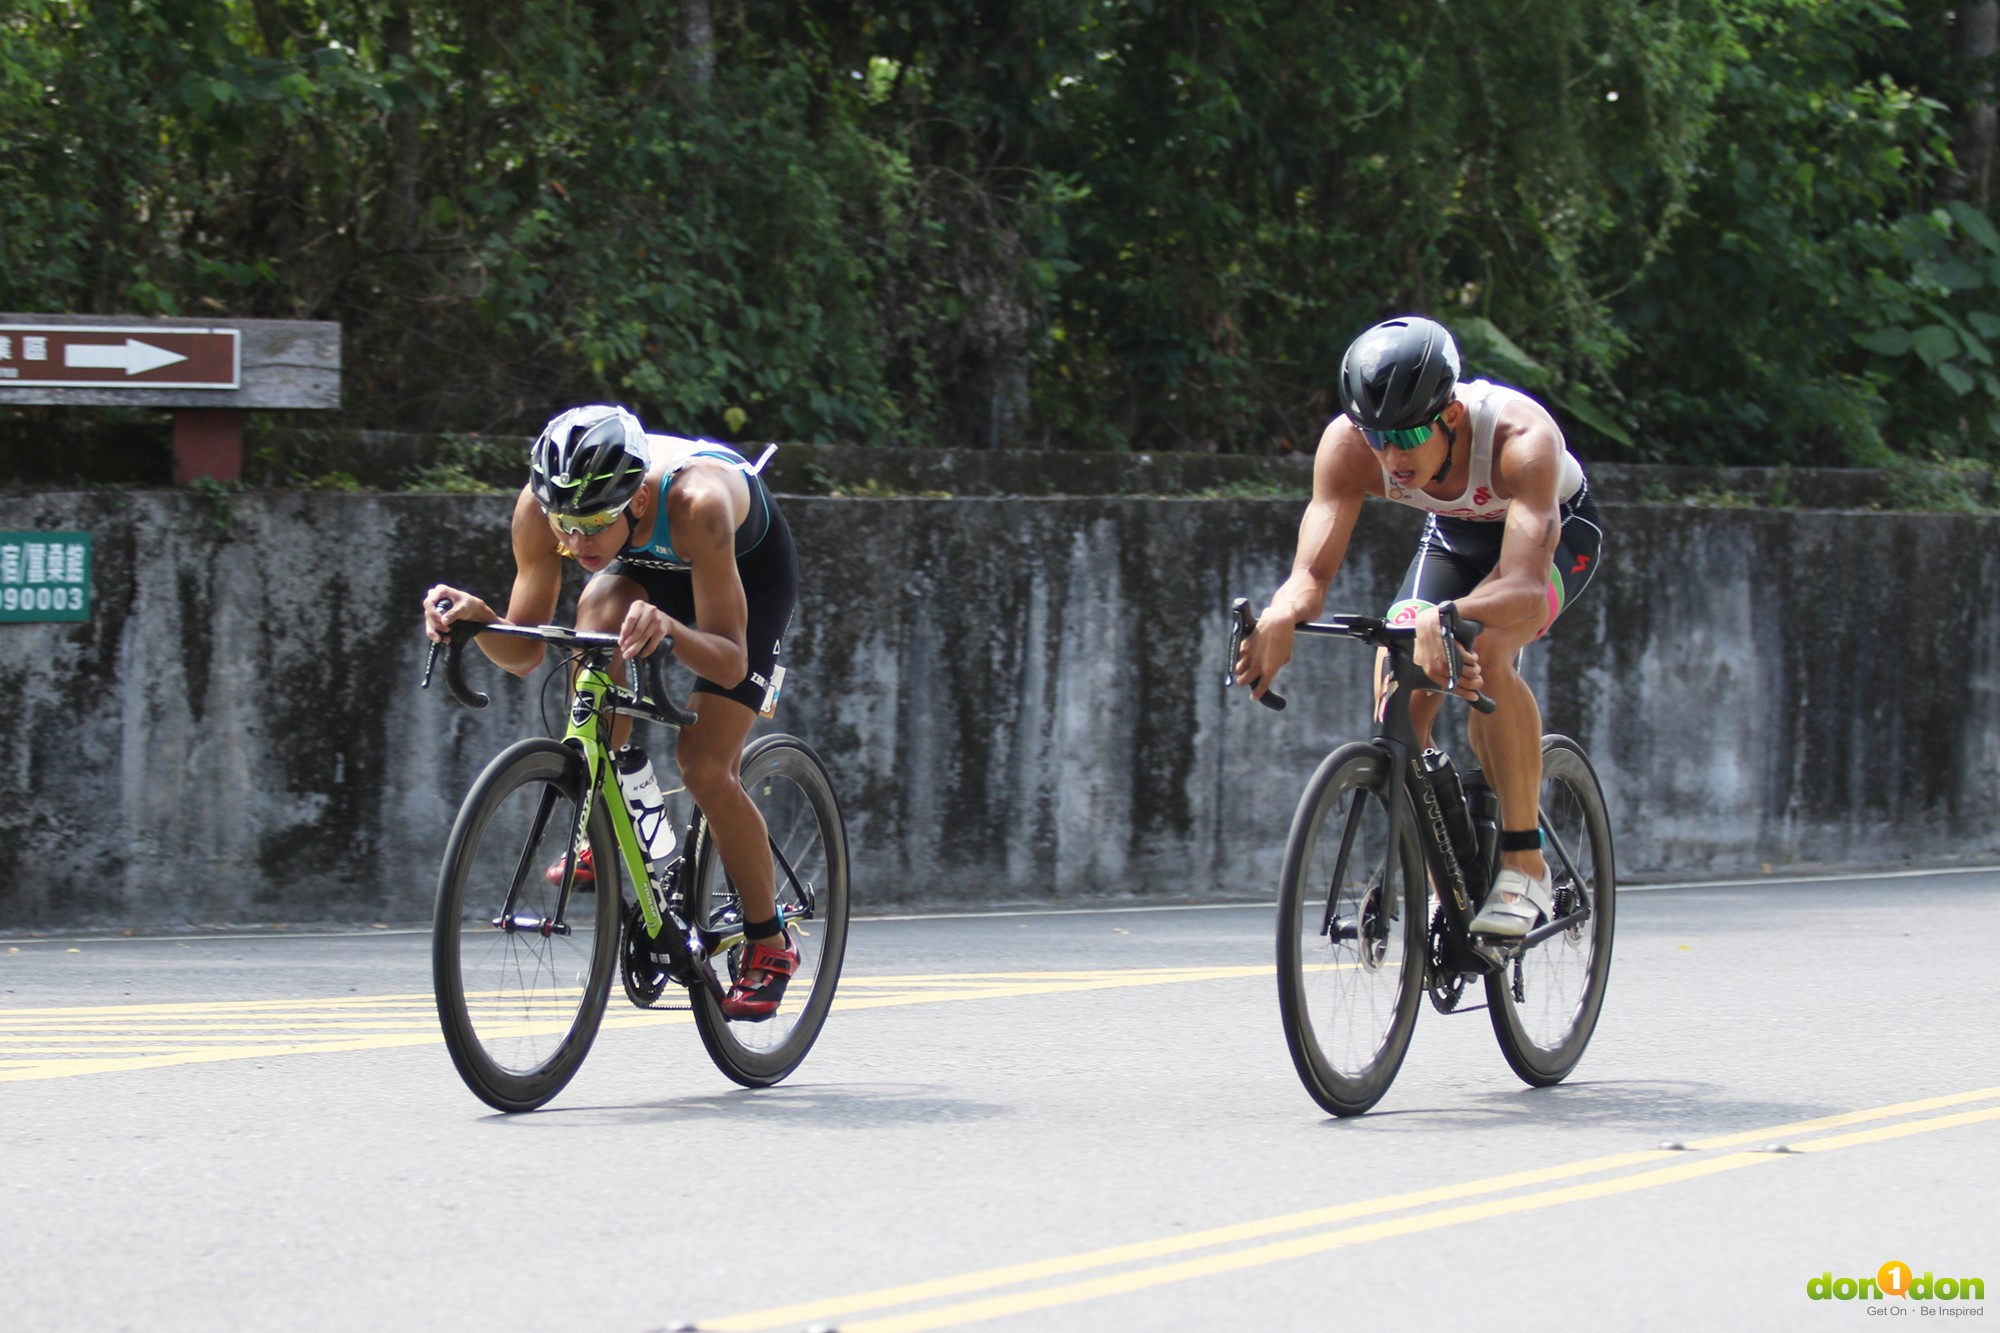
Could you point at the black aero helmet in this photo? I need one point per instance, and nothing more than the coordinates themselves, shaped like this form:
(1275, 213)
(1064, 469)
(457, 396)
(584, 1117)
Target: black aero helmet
(1399, 375)
(587, 460)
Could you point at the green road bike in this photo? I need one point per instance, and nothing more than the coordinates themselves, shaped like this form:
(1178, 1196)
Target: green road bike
(1390, 855)
(523, 946)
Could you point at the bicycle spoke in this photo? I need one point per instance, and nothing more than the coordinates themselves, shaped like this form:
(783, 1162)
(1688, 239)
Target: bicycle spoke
(518, 997)
(1350, 958)
(789, 787)
(1545, 1006)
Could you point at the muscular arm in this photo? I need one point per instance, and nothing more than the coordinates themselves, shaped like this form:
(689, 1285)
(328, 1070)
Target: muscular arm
(1344, 471)
(706, 511)
(532, 600)
(1528, 472)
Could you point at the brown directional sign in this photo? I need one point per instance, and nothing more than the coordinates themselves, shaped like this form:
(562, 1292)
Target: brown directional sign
(112, 356)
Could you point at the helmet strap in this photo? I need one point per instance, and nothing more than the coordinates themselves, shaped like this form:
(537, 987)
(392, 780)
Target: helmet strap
(1450, 449)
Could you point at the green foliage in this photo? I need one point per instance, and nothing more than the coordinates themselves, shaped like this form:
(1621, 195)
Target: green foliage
(871, 489)
(345, 482)
(1939, 484)
(1255, 488)
(1773, 329)
(1704, 230)
(220, 497)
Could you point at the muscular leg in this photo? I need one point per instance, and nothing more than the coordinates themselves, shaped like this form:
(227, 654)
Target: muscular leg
(711, 753)
(1508, 741)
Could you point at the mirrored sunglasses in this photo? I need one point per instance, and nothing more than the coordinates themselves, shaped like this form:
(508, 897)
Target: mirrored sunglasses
(586, 525)
(1401, 439)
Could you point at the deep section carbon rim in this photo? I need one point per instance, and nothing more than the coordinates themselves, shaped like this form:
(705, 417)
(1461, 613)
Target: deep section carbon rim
(790, 788)
(1351, 930)
(520, 993)
(1545, 1007)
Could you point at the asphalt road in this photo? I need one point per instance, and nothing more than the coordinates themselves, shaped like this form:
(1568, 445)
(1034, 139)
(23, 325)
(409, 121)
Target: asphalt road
(1047, 1121)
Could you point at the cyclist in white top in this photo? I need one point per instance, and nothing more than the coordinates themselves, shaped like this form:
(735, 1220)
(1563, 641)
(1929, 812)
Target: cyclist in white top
(1512, 538)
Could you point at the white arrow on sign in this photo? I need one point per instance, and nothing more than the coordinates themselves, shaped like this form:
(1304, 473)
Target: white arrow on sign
(134, 358)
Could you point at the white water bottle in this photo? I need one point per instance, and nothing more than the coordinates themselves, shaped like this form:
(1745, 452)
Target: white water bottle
(646, 802)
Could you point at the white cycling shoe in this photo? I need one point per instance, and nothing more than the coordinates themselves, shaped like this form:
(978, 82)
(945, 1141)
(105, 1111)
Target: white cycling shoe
(1516, 906)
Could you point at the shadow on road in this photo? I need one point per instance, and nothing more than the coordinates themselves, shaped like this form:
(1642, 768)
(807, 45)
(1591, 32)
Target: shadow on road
(858, 1106)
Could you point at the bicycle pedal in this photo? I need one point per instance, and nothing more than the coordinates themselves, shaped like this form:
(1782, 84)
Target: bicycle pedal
(1497, 950)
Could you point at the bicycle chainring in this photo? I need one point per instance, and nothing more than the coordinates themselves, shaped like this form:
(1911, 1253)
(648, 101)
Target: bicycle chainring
(1445, 983)
(644, 981)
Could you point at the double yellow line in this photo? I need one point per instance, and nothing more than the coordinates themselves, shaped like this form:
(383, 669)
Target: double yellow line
(1120, 1269)
(67, 1041)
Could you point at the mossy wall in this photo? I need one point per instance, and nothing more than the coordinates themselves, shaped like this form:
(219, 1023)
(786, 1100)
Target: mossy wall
(1019, 697)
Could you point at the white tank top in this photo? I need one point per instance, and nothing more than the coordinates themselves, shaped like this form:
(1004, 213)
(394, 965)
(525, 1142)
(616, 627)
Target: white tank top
(1483, 400)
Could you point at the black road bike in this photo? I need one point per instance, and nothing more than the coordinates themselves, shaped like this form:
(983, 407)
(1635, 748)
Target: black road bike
(1391, 854)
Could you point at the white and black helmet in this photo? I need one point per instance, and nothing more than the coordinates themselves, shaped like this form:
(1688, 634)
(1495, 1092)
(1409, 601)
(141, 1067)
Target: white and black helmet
(1399, 375)
(587, 460)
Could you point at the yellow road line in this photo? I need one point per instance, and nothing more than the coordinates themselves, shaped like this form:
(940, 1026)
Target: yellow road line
(64, 1041)
(1320, 1241)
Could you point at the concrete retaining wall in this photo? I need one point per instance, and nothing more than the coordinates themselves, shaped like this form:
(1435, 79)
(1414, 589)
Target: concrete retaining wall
(1019, 698)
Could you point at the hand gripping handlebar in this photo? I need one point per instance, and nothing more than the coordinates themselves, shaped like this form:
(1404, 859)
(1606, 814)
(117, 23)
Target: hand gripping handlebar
(648, 699)
(1461, 633)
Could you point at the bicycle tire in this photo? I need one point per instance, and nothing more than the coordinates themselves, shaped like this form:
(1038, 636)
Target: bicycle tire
(1562, 980)
(515, 1021)
(791, 789)
(1348, 996)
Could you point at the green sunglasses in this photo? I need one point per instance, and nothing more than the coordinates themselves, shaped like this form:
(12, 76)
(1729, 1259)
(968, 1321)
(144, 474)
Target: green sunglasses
(1401, 439)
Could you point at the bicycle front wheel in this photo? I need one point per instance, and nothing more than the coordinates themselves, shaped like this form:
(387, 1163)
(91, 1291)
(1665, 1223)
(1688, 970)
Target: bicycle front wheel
(520, 986)
(1351, 933)
(790, 788)
(1545, 1006)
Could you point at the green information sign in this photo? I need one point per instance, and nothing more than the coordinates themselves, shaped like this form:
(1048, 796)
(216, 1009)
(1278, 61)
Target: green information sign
(44, 576)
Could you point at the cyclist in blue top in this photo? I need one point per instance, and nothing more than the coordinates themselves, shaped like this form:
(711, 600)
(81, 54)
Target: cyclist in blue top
(1511, 536)
(682, 539)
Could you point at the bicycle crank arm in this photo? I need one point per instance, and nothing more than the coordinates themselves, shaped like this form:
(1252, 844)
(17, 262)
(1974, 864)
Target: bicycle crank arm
(1536, 936)
(537, 925)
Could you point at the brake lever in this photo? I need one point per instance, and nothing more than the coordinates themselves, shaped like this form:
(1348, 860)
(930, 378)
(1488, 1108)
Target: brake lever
(1460, 633)
(1241, 624)
(441, 605)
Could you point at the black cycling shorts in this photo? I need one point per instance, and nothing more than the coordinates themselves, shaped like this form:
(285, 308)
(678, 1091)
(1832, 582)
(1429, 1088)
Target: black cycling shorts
(1455, 555)
(770, 574)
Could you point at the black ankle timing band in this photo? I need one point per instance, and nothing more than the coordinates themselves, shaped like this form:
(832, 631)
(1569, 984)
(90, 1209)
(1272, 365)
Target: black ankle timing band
(1520, 840)
(762, 930)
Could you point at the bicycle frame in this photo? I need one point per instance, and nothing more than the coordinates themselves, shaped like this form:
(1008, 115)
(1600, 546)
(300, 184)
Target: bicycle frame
(1412, 796)
(594, 700)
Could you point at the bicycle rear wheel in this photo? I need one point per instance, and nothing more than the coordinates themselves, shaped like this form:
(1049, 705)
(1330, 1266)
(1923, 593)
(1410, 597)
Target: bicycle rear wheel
(519, 994)
(1545, 1006)
(791, 790)
(1351, 933)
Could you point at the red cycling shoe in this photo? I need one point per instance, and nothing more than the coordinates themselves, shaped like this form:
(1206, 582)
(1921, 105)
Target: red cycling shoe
(760, 979)
(585, 875)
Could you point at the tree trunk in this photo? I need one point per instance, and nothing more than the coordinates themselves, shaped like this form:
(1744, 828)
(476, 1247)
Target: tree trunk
(698, 36)
(399, 213)
(1973, 41)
